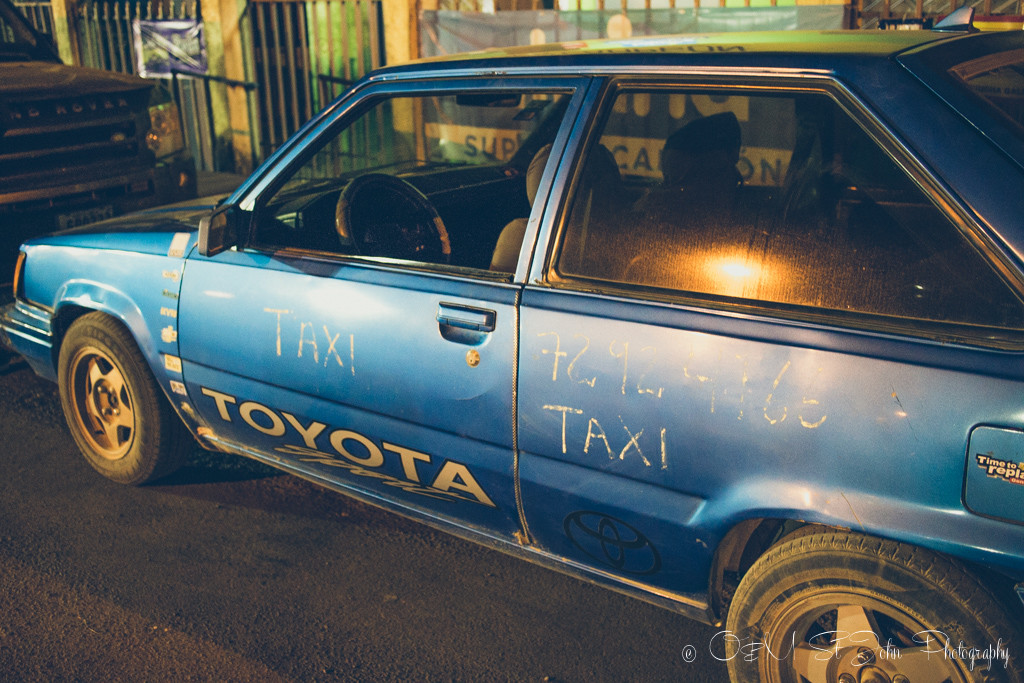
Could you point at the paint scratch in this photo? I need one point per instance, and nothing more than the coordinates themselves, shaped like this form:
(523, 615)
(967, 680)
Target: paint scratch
(902, 413)
(854, 512)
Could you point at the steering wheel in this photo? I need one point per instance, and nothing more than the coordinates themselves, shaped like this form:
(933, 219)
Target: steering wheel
(382, 215)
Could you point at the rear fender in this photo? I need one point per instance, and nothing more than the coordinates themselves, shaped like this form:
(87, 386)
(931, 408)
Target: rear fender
(752, 521)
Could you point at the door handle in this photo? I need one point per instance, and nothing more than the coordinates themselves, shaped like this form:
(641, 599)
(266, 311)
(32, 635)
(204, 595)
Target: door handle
(466, 317)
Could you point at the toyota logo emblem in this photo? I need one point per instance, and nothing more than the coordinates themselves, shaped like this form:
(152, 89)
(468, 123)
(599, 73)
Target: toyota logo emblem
(612, 542)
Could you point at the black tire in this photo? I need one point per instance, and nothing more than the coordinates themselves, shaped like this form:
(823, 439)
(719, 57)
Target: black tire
(846, 608)
(117, 415)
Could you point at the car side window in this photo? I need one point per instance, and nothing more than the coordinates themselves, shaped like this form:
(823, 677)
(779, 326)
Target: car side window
(431, 179)
(778, 200)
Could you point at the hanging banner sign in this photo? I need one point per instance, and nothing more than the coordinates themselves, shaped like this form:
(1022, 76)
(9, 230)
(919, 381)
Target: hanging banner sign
(444, 32)
(166, 46)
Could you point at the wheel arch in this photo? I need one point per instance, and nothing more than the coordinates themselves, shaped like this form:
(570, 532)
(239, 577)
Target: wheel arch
(78, 298)
(736, 553)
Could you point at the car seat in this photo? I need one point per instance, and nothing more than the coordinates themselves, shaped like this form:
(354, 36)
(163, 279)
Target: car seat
(510, 241)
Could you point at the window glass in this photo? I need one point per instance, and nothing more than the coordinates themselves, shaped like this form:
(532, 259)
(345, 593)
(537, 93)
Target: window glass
(999, 79)
(773, 199)
(431, 179)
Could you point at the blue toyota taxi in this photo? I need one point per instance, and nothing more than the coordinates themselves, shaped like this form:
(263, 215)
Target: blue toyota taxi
(732, 323)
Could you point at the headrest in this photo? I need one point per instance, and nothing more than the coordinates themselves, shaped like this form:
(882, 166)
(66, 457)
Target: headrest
(703, 152)
(711, 133)
(535, 171)
(602, 171)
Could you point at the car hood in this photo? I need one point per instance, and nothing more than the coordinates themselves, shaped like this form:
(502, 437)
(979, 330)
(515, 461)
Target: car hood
(144, 232)
(21, 81)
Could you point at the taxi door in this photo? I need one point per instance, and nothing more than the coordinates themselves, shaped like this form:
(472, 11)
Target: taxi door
(707, 340)
(358, 336)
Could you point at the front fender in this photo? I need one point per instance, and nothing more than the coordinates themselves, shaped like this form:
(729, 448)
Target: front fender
(138, 289)
(78, 297)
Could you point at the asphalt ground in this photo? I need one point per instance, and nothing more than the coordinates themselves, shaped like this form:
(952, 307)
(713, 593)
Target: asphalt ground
(229, 571)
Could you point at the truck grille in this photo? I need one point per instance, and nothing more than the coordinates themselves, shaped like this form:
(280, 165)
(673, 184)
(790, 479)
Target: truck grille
(67, 140)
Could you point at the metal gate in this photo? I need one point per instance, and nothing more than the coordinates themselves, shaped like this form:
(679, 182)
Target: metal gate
(304, 53)
(298, 56)
(105, 28)
(38, 14)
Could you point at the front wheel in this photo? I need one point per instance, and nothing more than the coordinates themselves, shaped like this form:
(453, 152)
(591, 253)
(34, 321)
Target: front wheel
(117, 416)
(846, 608)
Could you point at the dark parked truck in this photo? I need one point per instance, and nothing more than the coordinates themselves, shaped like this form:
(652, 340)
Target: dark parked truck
(78, 144)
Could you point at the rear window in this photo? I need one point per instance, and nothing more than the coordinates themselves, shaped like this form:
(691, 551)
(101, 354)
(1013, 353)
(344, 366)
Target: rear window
(999, 79)
(778, 200)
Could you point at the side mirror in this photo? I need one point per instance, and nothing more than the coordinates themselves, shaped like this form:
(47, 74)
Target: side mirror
(219, 230)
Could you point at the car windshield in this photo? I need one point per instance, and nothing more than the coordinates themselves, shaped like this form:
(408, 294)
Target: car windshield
(415, 137)
(999, 79)
(17, 41)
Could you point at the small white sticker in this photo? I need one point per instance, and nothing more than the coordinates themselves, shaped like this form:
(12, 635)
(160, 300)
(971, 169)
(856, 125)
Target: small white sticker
(178, 388)
(178, 244)
(172, 363)
(169, 335)
(168, 312)
(171, 275)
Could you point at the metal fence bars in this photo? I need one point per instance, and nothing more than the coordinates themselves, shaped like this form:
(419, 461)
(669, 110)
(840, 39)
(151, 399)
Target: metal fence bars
(305, 53)
(105, 28)
(38, 13)
(194, 96)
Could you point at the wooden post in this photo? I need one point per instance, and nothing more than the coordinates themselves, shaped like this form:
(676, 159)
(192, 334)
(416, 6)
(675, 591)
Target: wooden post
(223, 25)
(399, 32)
(402, 29)
(65, 34)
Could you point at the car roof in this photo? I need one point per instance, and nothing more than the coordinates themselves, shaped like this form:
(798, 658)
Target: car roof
(780, 49)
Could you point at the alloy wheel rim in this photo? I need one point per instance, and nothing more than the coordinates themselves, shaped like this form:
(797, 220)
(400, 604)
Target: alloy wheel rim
(103, 404)
(856, 637)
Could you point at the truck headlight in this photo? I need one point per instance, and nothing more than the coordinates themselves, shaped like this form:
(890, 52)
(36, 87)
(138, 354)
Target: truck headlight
(165, 136)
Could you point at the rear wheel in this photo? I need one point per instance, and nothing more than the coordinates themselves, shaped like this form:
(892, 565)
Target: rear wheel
(116, 413)
(846, 608)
